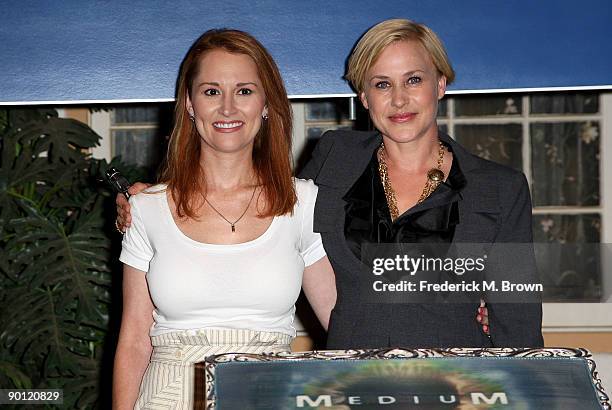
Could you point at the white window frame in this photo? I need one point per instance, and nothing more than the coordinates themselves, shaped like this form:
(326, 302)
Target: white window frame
(567, 317)
(100, 122)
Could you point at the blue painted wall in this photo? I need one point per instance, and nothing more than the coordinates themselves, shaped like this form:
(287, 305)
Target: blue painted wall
(131, 49)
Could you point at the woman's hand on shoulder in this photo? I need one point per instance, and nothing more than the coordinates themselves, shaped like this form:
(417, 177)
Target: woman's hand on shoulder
(124, 218)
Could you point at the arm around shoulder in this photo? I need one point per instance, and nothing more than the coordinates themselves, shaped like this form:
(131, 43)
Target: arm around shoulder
(124, 217)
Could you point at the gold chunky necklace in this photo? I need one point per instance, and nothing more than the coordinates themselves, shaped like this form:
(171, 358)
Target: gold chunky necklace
(435, 176)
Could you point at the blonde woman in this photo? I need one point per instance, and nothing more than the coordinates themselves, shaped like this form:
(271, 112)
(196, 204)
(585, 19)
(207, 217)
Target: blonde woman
(408, 182)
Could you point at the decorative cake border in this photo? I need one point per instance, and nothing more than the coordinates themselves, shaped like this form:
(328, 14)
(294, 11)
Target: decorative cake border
(205, 397)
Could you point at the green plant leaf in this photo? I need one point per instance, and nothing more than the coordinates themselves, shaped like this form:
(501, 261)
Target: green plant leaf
(15, 375)
(55, 259)
(50, 256)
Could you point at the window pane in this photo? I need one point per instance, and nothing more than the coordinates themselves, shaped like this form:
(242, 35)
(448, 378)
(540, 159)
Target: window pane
(501, 143)
(443, 108)
(474, 105)
(140, 114)
(565, 163)
(316, 131)
(571, 269)
(564, 103)
(329, 110)
(142, 147)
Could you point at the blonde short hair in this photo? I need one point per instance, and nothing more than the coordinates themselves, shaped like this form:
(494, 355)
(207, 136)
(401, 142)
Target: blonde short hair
(376, 39)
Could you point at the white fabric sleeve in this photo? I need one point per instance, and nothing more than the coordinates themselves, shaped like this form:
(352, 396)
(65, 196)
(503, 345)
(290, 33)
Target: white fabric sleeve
(136, 249)
(311, 246)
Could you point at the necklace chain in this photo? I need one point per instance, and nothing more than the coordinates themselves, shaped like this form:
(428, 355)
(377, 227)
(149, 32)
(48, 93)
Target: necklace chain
(233, 224)
(384, 178)
(435, 176)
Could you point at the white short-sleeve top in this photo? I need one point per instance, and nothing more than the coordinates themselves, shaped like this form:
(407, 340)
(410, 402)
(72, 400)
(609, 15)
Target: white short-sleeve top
(193, 285)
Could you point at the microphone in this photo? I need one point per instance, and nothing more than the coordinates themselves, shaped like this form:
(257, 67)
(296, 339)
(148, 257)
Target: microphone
(118, 181)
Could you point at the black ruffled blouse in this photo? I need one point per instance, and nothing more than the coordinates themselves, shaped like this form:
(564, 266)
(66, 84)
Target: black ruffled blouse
(368, 219)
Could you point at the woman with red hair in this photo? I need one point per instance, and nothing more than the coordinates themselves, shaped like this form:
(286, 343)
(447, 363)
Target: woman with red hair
(217, 251)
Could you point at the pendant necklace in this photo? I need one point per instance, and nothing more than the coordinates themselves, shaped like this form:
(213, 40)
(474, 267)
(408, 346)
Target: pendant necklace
(233, 224)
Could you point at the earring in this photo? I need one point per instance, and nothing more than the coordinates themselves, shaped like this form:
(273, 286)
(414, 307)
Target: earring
(265, 116)
(192, 118)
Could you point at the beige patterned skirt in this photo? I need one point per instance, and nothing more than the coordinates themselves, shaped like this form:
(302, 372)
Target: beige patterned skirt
(168, 380)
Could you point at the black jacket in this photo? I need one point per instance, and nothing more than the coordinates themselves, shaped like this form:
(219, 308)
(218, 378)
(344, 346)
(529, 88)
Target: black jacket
(495, 208)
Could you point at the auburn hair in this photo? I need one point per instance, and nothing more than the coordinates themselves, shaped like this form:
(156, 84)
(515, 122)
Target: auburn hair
(272, 147)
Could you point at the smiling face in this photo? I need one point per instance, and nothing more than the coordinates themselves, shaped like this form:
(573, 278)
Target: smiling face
(402, 90)
(227, 101)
